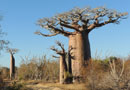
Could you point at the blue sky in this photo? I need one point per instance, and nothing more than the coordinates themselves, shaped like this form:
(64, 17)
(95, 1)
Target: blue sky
(20, 17)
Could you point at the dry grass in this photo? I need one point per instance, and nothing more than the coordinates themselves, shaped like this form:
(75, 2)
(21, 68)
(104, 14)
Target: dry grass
(39, 85)
(111, 75)
(99, 75)
(38, 69)
(57, 86)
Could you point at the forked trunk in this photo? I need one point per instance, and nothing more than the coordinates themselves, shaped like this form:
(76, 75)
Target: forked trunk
(12, 67)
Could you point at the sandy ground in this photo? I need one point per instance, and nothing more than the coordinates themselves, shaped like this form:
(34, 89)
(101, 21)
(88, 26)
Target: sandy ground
(38, 85)
(57, 86)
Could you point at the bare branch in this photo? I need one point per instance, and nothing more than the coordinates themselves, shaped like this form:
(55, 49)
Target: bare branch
(114, 71)
(56, 50)
(111, 15)
(65, 24)
(45, 35)
(55, 56)
(61, 46)
(92, 26)
(122, 70)
(60, 52)
(12, 50)
(80, 19)
(63, 32)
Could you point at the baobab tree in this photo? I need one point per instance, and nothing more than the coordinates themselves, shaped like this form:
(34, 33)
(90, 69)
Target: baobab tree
(64, 69)
(76, 24)
(12, 62)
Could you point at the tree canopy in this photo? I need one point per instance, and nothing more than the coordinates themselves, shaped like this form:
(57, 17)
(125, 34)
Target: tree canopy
(12, 50)
(79, 19)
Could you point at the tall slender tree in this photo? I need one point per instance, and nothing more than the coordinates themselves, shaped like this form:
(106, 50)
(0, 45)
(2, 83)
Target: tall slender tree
(76, 24)
(12, 62)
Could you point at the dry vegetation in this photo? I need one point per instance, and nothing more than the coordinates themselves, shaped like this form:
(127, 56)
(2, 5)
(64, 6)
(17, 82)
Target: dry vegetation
(38, 69)
(41, 73)
(109, 74)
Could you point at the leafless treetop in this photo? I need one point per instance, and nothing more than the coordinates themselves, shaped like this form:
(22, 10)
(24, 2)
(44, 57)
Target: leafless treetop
(60, 52)
(80, 19)
(12, 50)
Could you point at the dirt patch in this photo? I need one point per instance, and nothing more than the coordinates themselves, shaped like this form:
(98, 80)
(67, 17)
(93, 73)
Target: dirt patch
(57, 86)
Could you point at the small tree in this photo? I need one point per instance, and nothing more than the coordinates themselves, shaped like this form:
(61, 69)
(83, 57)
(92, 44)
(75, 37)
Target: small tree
(64, 68)
(12, 62)
(81, 22)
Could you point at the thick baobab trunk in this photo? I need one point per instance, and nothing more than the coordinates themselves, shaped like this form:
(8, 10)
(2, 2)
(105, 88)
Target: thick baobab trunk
(73, 56)
(63, 69)
(83, 47)
(81, 53)
(72, 53)
(12, 67)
